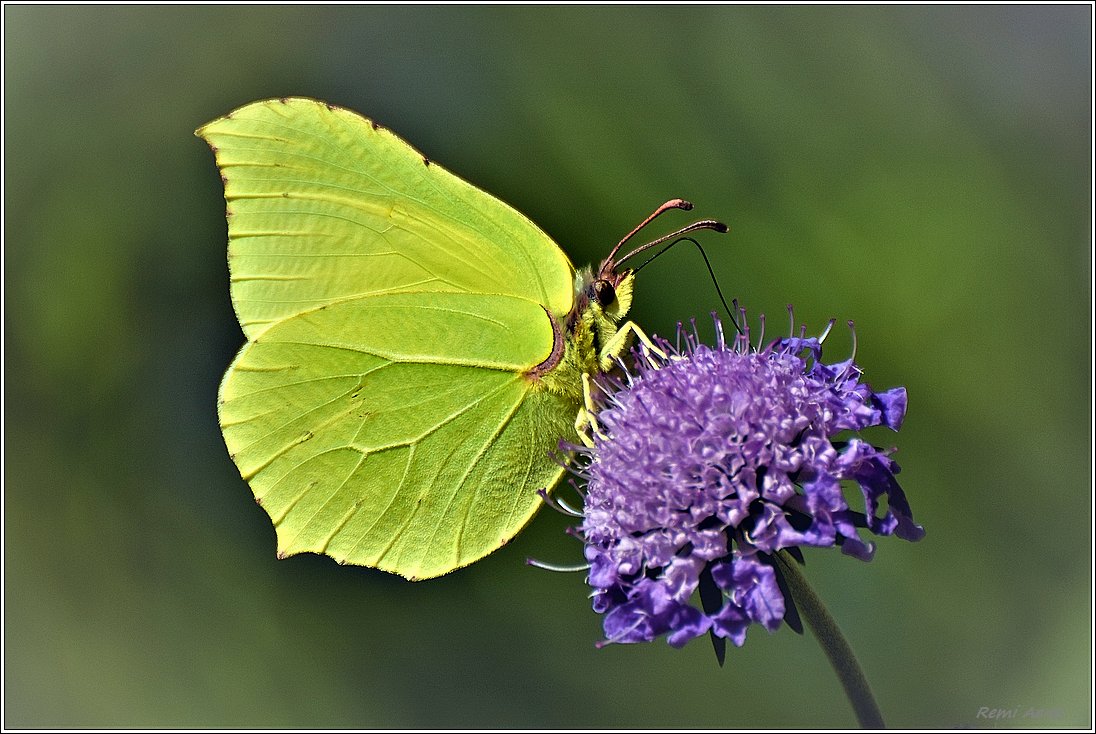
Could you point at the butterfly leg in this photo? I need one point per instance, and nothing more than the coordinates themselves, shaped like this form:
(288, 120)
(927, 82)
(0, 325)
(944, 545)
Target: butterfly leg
(586, 424)
(619, 342)
(586, 420)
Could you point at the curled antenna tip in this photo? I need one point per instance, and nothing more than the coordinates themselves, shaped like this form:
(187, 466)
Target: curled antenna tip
(721, 227)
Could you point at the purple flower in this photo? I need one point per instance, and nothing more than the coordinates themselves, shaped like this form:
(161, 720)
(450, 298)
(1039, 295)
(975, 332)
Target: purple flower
(707, 461)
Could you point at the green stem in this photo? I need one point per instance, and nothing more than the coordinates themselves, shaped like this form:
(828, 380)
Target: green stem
(833, 643)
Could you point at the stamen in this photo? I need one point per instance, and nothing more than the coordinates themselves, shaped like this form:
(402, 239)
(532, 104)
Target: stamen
(582, 472)
(641, 618)
(826, 331)
(761, 337)
(557, 504)
(578, 465)
(850, 365)
(720, 342)
(615, 383)
(737, 345)
(791, 321)
(553, 567)
(745, 336)
(567, 509)
(692, 338)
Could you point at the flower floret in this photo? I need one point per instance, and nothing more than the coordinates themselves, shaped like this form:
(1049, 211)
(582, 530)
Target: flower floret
(713, 459)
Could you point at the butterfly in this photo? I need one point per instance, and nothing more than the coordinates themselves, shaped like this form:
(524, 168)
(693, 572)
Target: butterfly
(416, 348)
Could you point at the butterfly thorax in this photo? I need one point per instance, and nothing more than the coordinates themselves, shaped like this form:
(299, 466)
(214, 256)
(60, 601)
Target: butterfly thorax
(586, 333)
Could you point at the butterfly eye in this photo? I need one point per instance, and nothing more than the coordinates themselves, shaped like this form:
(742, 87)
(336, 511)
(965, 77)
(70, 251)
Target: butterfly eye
(604, 292)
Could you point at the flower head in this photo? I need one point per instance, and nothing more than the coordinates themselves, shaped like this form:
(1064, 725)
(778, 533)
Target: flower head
(706, 461)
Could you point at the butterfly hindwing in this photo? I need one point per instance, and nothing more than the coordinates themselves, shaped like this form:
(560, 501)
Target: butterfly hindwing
(414, 457)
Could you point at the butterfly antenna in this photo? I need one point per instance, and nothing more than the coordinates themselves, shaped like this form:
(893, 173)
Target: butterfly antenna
(702, 224)
(671, 204)
(611, 264)
(711, 273)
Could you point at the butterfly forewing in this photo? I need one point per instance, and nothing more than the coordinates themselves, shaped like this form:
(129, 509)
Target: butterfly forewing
(324, 205)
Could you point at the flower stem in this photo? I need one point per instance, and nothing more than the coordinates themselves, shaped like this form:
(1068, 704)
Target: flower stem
(833, 643)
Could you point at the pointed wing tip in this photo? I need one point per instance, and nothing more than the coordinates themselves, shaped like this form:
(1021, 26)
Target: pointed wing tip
(201, 132)
(210, 128)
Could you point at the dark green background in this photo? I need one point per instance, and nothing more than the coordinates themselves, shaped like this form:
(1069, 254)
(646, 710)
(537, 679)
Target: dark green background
(923, 170)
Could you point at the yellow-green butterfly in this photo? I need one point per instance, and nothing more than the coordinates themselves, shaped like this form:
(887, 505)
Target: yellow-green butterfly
(415, 347)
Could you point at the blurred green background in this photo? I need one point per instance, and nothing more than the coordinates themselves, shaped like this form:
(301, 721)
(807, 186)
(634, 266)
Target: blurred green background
(922, 170)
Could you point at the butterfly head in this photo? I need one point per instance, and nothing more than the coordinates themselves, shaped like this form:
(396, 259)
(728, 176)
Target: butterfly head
(608, 290)
(611, 288)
